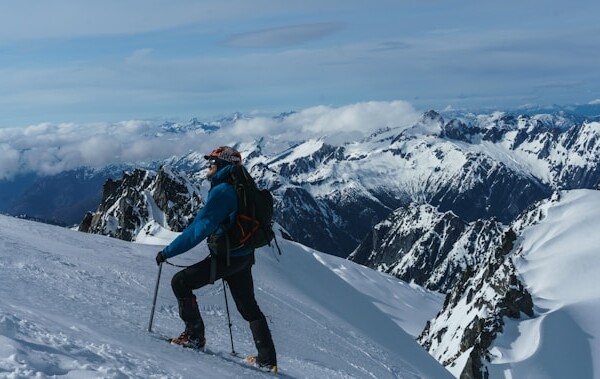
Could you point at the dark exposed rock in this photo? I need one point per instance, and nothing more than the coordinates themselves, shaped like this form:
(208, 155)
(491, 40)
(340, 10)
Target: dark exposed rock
(485, 295)
(421, 244)
(141, 199)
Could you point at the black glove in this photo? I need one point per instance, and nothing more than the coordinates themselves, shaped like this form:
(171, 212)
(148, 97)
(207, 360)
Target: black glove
(160, 258)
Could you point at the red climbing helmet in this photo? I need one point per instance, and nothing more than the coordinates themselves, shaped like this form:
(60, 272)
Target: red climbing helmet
(225, 153)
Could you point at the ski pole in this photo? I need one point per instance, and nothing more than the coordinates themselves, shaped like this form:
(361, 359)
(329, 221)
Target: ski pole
(228, 318)
(154, 301)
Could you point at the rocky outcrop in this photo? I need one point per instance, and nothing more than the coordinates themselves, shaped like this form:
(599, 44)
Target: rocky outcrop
(474, 311)
(421, 244)
(470, 262)
(143, 200)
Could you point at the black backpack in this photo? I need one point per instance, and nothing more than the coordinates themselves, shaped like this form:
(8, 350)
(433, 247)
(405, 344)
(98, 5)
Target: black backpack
(253, 224)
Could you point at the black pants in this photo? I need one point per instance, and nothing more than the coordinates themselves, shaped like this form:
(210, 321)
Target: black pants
(238, 275)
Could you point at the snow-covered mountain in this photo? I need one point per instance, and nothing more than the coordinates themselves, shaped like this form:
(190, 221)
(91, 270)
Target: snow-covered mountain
(195, 125)
(480, 266)
(145, 203)
(530, 310)
(475, 310)
(77, 305)
(496, 168)
(330, 192)
(432, 248)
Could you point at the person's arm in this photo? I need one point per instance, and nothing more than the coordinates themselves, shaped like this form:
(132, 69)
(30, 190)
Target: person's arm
(220, 203)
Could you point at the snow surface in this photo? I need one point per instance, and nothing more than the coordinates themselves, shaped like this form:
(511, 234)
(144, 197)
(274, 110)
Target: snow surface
(75, 305)
(559, 262)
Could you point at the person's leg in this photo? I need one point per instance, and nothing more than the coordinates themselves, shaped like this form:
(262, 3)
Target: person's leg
(191, 278)
(194, 277)
(183, 282)
(242, 291)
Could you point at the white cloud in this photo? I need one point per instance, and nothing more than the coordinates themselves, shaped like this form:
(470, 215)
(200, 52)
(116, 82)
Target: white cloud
(594, 102)
(361, 117)
(52, 148)
(339, 124)
(9, 161)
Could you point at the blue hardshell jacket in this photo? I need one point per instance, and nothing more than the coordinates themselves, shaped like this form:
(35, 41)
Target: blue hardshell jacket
(220, 208)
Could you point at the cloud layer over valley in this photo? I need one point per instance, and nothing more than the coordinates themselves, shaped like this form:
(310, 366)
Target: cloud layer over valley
(48, 148)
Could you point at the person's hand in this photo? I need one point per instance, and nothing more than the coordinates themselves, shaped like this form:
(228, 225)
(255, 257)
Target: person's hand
(160, 258)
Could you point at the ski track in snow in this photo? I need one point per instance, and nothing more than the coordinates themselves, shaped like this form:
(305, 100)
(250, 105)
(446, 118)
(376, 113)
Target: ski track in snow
(74, 305)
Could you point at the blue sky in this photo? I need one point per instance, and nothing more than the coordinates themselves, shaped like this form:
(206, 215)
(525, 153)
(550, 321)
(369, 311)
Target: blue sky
(108, 61)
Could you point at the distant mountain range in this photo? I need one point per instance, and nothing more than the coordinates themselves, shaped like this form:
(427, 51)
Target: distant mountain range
(330, 196)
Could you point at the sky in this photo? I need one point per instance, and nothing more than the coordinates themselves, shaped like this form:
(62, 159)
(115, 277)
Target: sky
(85, 62)
(78, 305)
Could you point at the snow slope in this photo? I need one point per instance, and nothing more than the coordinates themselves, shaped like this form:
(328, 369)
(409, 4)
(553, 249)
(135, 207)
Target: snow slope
(75, 305)
(559, 262)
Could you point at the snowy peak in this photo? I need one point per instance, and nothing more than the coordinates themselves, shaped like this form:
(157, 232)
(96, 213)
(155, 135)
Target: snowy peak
(420, 244)
(308, 162)
(143, 203)
(194, 125)
(584, 140)
(430, 124)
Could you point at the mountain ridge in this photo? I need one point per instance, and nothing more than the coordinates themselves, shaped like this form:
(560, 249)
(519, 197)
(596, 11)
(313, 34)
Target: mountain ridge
(475, 166)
